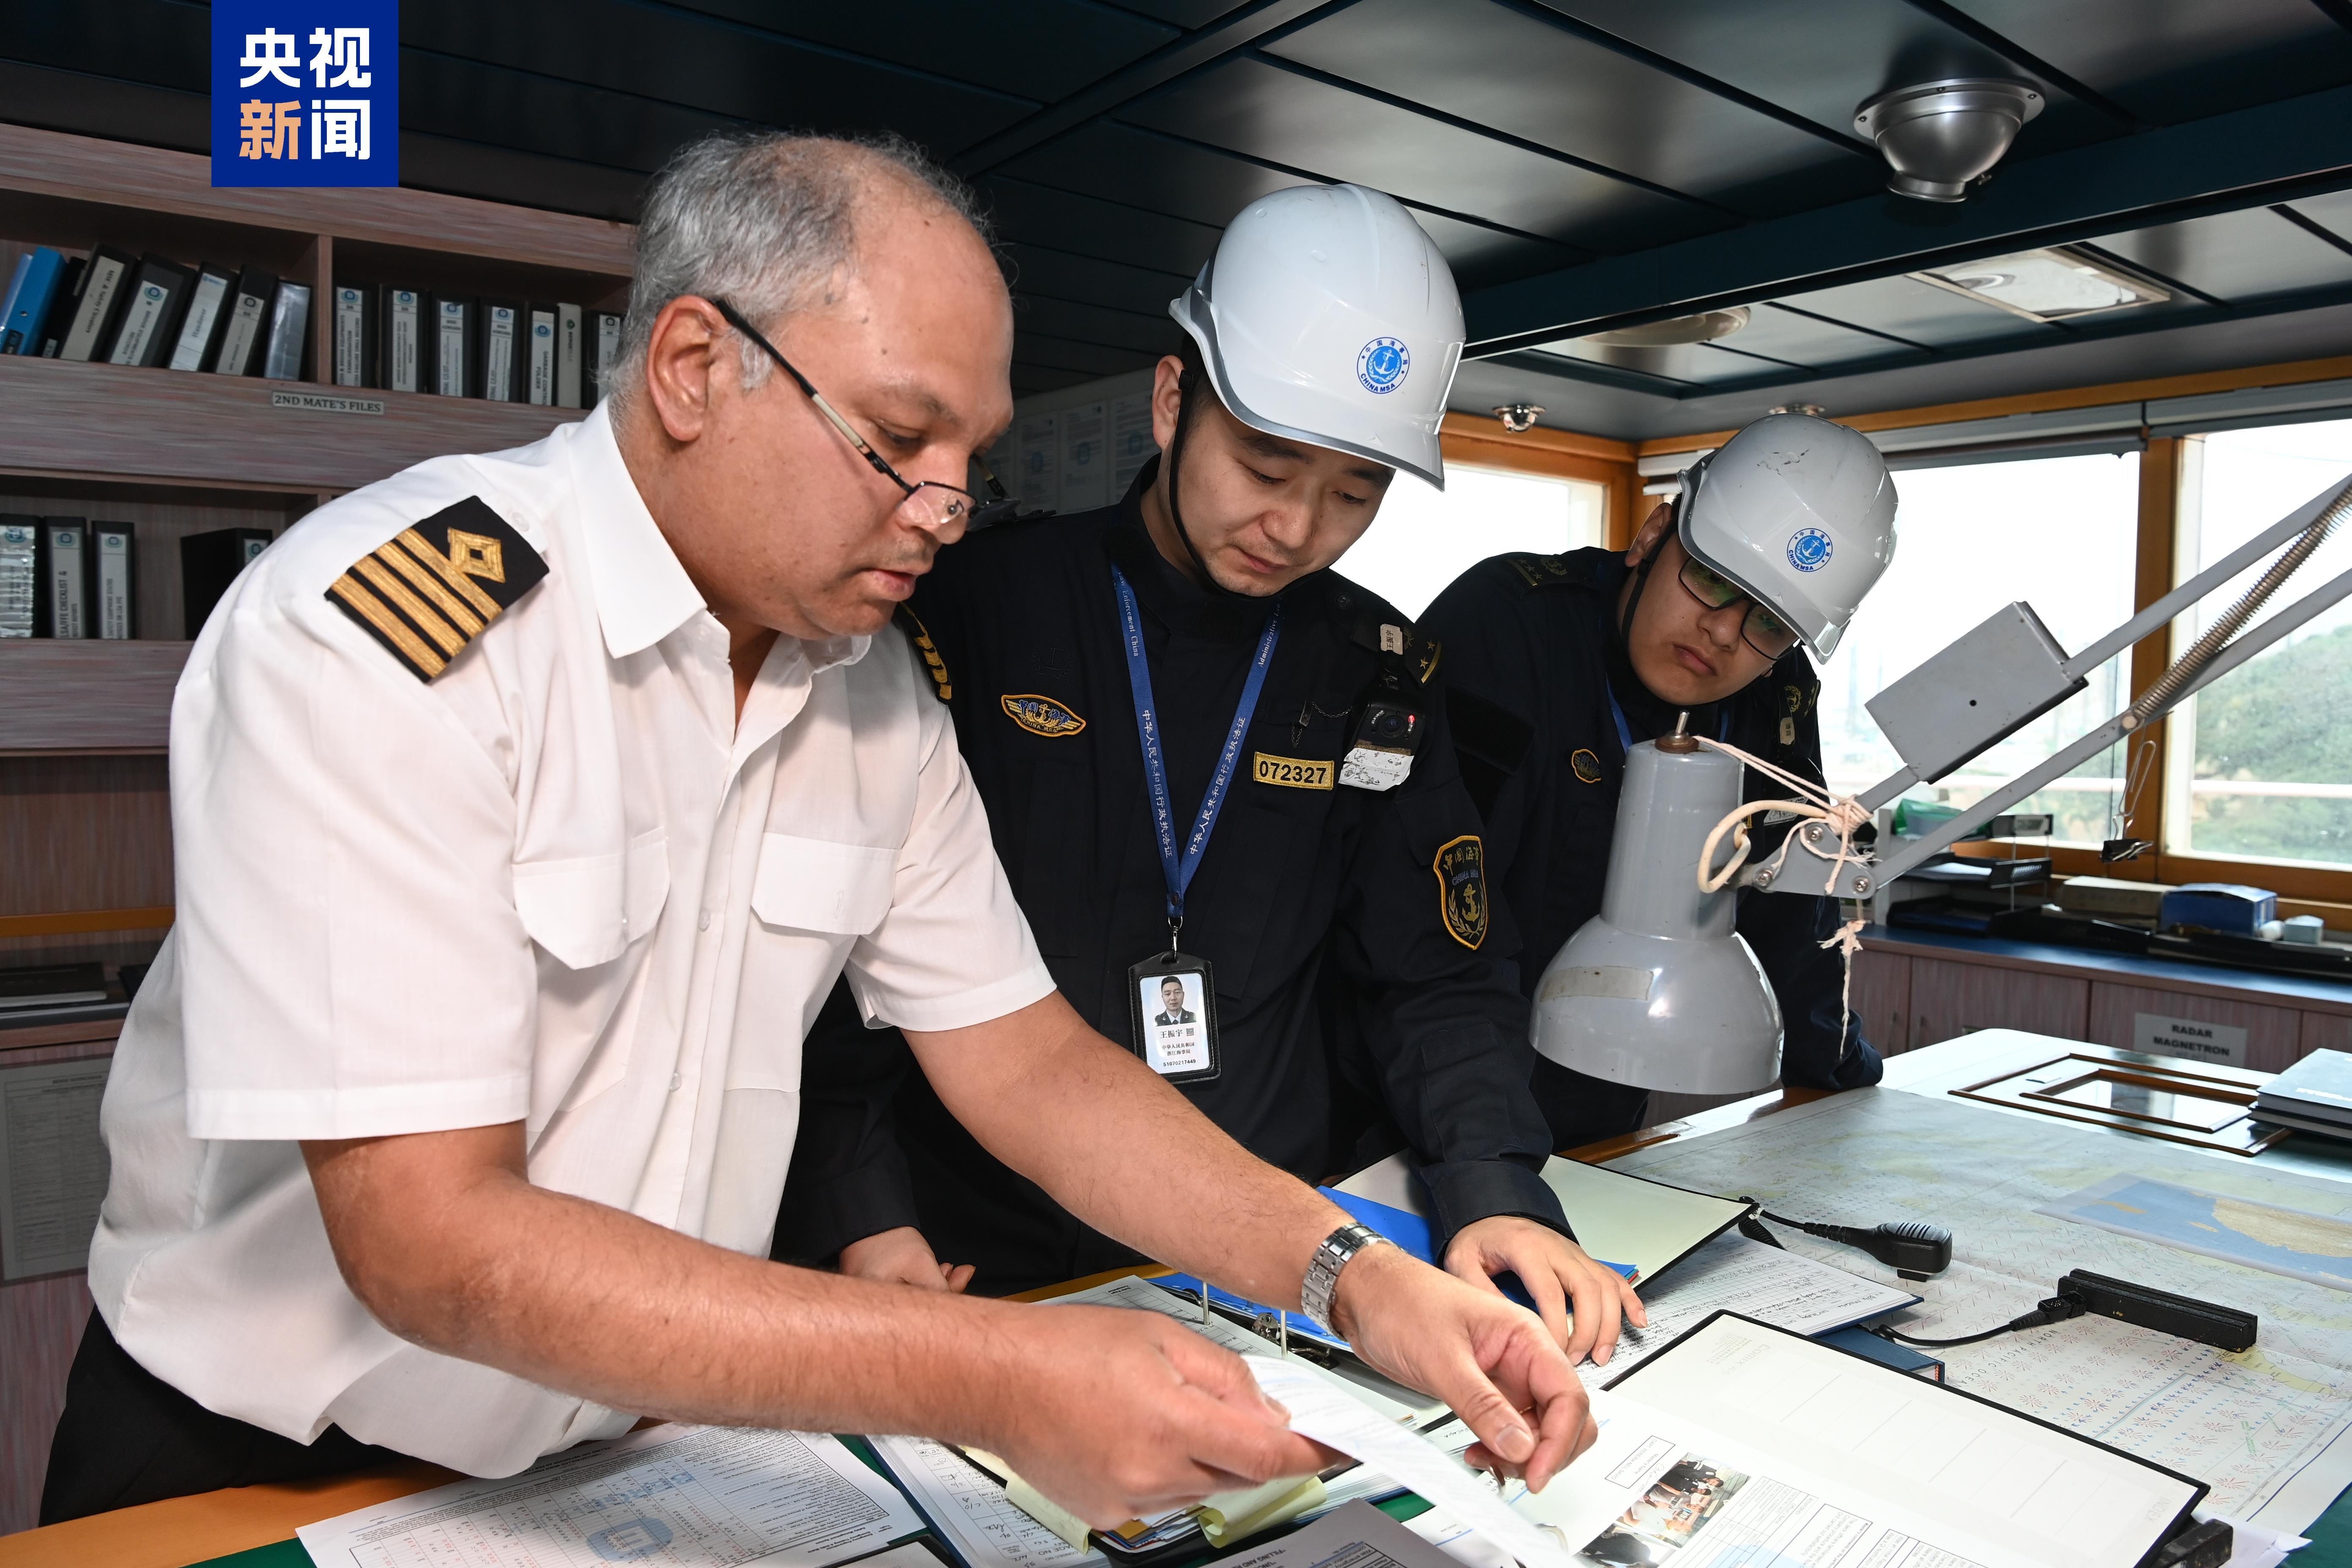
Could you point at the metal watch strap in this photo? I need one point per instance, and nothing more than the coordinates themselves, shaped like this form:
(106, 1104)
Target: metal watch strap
(1331, 1256)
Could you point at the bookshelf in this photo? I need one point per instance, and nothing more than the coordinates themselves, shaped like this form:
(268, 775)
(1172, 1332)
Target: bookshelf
(181, 452)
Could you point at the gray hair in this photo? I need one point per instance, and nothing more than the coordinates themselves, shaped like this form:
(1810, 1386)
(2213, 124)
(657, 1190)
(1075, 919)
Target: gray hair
(763, 219)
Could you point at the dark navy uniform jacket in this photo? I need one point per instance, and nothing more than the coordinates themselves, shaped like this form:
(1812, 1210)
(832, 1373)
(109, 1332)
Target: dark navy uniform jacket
(1531, 658)
(1354, 1014)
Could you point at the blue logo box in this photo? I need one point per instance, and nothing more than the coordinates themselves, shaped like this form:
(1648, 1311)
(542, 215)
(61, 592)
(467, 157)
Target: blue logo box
(306, 93)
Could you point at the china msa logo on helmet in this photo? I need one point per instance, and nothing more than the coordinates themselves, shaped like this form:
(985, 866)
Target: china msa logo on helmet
(1382, 366)
(1809, 549)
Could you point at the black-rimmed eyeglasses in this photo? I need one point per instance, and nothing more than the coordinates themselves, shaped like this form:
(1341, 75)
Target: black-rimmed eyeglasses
(932, 503)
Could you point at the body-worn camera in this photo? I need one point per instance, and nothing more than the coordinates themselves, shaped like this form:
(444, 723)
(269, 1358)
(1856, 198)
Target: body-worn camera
(1380, 756)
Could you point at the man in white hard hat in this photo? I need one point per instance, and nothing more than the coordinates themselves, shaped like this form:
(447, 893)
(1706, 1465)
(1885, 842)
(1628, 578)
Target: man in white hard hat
(1179, 683)
(527, 807)
(1561, 664)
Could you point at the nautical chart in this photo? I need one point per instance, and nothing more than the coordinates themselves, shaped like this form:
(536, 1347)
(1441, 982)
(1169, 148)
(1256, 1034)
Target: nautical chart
(2262, 1426)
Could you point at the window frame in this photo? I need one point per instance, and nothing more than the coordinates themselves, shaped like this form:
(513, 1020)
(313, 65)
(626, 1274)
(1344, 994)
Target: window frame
(2169, 477)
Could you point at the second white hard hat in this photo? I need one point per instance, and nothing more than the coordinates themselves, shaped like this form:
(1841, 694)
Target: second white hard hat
(1327, 316)
(1800, 511)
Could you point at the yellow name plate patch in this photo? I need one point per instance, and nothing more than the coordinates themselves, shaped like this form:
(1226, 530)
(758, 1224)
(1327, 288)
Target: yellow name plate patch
(1292, 773)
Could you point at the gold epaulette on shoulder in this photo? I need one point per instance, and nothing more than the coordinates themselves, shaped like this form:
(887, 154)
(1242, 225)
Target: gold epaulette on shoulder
(933, 665)
(435, 585)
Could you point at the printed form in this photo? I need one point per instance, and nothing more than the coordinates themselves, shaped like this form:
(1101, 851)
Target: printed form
(1751, 1445)
(710, 1496)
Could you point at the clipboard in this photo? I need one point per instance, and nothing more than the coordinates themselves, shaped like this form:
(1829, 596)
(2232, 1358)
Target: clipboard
(1627, 1221)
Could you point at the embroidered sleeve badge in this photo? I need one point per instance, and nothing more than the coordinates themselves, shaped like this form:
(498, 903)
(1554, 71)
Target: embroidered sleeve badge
(1585, 763)
(1041, 715)
(1461, 868)
(434, 586)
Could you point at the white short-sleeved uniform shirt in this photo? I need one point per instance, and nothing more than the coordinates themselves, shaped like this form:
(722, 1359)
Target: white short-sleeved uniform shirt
(559, 884)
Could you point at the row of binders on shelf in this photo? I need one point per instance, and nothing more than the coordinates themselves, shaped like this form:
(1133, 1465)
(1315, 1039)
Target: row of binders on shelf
(404, 340)
(118, 309)
(68, 577)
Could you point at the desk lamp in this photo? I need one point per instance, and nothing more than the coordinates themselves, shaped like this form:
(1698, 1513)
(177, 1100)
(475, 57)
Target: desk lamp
(1657, 991)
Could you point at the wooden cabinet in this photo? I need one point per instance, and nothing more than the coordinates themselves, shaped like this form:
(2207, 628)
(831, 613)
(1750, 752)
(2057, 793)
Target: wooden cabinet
(1882, 997)
(2273, 1035)
(1949, 999)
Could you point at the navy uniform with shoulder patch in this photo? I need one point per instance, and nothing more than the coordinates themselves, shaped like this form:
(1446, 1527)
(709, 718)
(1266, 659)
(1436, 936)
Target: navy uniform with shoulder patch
(1343, 901)
(1532, 657)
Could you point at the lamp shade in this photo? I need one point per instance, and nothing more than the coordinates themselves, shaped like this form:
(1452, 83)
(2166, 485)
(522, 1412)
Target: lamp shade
(1657, 991)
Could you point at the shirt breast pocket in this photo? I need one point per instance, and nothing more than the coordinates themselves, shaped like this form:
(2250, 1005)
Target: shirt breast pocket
(818, 885)
(584, 911)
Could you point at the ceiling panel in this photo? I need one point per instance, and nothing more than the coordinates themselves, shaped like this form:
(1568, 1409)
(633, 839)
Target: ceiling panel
(1121, 163)
(1066, 353)
(2236, 256)
(1920, 313)
(152, 41)
(476, 103)
(2332, 213)
(2171, 61)
(1058, 275)
(1823, 59)
(1131, 329)
(1696, 364)
(1256, 107)
(1481, 255)
(1087, 225)
(1535, 79)
(719, 68)
(1187, 14)
(1061, 47)
(1799, 339)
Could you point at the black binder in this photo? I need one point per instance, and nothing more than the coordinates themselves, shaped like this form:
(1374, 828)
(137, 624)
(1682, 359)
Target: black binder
(99, 297)
(604, 350)
(356, 334)
(113, 581)
(209, 563)
(200, 326)
(248, 327)
(500, 355)
(402, 357)
(61, 584)
(287, 348)
(454, 319)
(158, 298)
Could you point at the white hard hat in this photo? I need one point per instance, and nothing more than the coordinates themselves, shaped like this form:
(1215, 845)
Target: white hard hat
(1327, 316)
(1800, 512)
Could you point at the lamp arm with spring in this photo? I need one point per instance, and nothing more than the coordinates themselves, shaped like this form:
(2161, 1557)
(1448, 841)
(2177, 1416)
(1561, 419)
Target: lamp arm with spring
(2022, 674)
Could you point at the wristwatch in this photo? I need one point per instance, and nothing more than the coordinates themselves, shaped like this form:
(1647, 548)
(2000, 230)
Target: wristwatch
(1331, 1256)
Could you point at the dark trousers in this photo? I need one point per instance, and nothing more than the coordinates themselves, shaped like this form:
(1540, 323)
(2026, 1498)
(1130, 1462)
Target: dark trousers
(127, 1436)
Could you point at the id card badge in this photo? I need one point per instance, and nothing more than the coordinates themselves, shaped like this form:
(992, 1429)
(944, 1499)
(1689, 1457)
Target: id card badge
(1172, 998)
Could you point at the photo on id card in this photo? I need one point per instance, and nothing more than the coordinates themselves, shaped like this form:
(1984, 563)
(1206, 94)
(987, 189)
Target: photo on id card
(1173, 999)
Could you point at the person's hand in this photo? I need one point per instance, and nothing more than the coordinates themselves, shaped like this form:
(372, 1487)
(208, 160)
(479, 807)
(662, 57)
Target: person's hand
(1581, 1300)
(1120, 1415)
(1488, 1358)
(1653, 528)
(903, 1256)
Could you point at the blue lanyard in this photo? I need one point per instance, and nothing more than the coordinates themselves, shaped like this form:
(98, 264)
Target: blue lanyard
(1625, 733)
(1177, 870)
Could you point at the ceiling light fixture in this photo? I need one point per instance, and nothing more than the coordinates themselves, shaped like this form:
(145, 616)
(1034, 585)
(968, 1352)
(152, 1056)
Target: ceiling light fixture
(1703, 327)
(1940, 137)
(2049, 285)
(1518, 418)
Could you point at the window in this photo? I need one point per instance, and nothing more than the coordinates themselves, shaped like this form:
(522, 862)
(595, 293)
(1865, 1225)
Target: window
(2260, 761)
(1424, 539)
(2057, 532)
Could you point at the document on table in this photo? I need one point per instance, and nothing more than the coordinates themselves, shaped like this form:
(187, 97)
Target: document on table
(1320, 1411)
(1734, 1274)
(1744, 1443)
(970, 1508)
(708, 1496)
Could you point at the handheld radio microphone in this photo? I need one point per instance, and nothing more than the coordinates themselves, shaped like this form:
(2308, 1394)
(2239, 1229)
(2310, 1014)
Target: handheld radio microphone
(1915, 1251)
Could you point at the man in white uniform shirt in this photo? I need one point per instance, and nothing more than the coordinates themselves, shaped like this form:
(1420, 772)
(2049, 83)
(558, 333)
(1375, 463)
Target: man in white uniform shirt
(527, 807)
